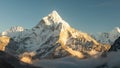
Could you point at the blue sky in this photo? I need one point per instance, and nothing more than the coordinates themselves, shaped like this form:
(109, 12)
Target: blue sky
(90, 16)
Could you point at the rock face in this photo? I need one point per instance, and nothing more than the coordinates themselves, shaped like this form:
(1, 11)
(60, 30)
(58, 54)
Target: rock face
(4, 40)
(52, 37)
(116, 45)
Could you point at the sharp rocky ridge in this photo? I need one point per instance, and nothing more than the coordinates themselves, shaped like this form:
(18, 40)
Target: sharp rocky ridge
(53, 37)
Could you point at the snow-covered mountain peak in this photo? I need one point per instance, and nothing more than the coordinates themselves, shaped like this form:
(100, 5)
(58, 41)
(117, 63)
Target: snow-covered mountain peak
(109, 37)
(118, 29)
(53, 36)
(16, 28)
(55, 16)
(12, 30)
(52, 20)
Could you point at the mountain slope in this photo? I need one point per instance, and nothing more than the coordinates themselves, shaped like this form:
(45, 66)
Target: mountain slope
(116, 45)
(52, 37)
(109, 37)
(4, 42)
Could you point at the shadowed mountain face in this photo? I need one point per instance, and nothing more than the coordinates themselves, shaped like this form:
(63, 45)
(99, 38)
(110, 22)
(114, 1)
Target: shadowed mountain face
(116, 45)
(9, 61)
(5, 64)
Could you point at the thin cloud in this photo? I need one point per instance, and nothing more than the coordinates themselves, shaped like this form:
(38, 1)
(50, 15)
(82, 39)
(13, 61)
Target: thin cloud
(102, 4)
(112, 60)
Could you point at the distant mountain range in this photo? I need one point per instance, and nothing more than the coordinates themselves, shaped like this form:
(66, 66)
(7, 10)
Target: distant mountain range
(108, 37)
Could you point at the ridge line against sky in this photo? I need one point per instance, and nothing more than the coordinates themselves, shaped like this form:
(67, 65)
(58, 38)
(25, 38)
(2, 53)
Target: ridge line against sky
(86, 15)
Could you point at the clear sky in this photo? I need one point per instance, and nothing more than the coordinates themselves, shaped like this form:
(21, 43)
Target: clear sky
(90, 16)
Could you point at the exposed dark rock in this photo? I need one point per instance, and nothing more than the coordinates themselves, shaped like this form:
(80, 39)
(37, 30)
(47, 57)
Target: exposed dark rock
(9, 61)
(4, 64)
(116, 45)
(103, 66)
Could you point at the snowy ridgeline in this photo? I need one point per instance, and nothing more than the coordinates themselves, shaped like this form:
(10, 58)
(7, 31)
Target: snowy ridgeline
(112, 60)
(108, 37)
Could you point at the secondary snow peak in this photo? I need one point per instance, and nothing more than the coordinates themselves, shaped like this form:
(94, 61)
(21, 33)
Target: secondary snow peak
(118, 29)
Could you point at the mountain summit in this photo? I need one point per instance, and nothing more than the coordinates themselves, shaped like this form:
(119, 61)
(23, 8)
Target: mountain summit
(53, 37)
(55, 16)
(52, 20)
